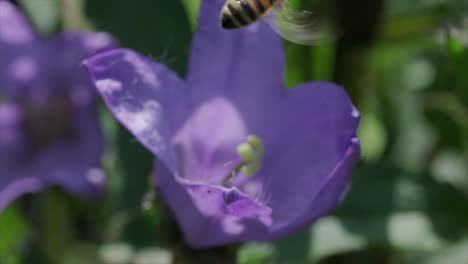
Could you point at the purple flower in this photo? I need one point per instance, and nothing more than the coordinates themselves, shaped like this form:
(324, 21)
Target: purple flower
(49, 131)
(241, 158)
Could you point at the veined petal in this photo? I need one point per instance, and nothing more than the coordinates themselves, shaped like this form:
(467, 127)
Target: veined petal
(245, 64)
(202, 219)
(145, 96)
(14, 28)
(218, 202)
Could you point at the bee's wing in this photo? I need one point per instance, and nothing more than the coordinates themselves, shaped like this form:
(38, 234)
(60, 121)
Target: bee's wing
(300, 27)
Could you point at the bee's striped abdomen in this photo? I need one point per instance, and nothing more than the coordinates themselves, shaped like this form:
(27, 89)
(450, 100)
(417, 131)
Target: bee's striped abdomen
(239, 13)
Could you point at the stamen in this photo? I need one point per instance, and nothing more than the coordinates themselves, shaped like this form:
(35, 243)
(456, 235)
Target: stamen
(251, 154)
(246, 152)
(256, 143)
(250, 169)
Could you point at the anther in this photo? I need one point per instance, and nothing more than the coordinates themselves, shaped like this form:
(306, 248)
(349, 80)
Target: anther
(256, 143)
(251, 153)
(246, 152)
(250, 169)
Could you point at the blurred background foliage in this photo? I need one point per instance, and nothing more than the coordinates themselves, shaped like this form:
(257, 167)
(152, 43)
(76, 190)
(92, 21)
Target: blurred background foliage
(405, 64)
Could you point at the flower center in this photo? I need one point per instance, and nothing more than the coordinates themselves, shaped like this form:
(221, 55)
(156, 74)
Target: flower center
(251, 153)
(47, 122)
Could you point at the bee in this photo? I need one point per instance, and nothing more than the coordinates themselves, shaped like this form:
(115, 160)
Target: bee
(298, 27)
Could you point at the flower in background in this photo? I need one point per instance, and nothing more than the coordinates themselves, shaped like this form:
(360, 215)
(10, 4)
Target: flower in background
(49, 132)
(240, 157)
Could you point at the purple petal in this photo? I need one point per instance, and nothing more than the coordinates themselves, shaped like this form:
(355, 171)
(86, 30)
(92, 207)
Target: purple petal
(9, 192)
(204, 230)
(218, 203)
(10, 115)
(206, 142)
(243, 65)
(145, 96)
(14, 28)
(51, 65)
(71, 164)
(332, 191)
(69, 50)
(74, 46)
(93, 42)
(19, 67)
(310, 149)
(201, 229)
(315, 126)
(12, 140)
(75, 164)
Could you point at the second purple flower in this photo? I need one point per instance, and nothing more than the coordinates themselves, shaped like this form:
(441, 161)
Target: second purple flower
(49, 132)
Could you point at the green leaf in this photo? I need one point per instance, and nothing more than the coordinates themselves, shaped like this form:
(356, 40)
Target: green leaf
(57, 232)
(192, 7)
(13, 232)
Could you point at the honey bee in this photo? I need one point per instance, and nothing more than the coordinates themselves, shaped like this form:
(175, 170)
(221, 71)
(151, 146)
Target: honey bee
(298, 27)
